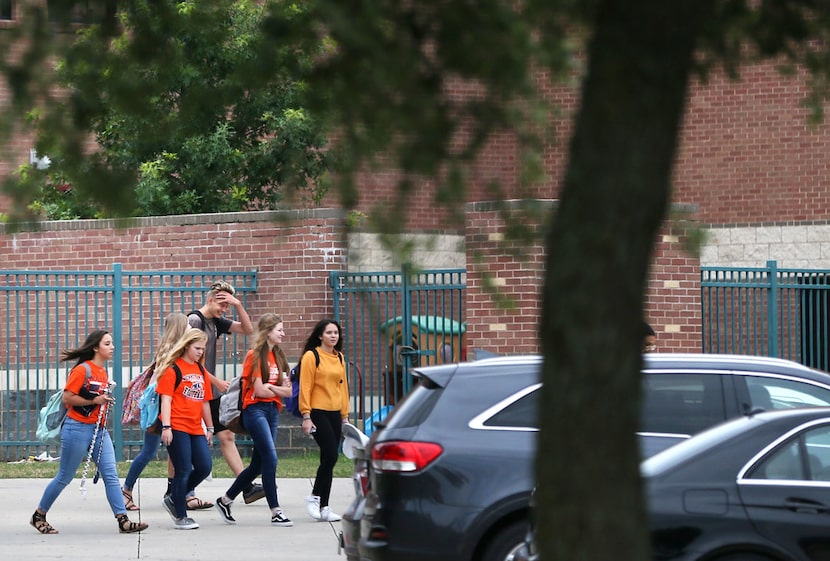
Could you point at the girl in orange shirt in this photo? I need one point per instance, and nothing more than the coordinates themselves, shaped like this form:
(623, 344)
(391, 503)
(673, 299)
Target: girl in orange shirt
(84, 396)
(264, 383)
(184, 405)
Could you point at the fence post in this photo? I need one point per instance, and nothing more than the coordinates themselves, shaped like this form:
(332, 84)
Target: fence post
(117, 360)
(772, 308)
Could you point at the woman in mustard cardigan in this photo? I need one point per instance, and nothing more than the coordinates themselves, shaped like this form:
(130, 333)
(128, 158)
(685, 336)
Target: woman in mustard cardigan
(324, 405)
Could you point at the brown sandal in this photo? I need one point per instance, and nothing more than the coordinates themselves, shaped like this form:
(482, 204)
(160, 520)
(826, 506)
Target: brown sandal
(125, 526)
(195, 503)
(128, 500)
(41, 525)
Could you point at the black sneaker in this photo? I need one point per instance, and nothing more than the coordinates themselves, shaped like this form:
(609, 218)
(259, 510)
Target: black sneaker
(255, 493)
(279, 519)
(225, 511)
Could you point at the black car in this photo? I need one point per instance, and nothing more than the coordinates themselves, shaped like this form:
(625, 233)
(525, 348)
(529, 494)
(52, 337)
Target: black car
(752, 489)
(451, 469)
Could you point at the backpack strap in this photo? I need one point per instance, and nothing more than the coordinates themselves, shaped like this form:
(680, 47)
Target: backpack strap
(178, 372)
(201, 317)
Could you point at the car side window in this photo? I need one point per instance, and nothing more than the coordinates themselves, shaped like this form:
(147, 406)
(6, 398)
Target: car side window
(522, 413)
(804, 458)
(777, 393)
(681, 403)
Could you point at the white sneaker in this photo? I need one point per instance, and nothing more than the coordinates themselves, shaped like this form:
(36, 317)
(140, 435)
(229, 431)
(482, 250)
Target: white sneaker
(312, 505)
(326, 515)
(186, 524)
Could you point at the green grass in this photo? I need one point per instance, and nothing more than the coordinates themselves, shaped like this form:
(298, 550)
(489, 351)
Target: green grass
(295, 465)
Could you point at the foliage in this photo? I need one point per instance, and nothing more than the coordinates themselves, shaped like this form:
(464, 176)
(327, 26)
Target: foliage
(420, 88)
(184, 119)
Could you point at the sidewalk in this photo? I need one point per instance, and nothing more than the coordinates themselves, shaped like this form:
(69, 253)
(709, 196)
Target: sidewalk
(89, 530)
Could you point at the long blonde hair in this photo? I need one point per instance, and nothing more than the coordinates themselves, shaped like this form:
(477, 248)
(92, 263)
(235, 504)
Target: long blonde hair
(175, 326)
(261, 348)
(178, 348)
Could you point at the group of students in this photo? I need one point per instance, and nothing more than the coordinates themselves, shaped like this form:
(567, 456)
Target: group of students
(189, 391)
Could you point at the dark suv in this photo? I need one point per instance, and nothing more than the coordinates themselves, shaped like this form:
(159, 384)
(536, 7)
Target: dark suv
(451, 469)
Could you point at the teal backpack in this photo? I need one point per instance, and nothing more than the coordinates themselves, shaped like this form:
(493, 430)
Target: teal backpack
(52, 415)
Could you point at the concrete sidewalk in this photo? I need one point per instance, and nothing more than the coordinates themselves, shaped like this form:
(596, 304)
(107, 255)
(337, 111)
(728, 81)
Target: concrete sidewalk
(88, 529)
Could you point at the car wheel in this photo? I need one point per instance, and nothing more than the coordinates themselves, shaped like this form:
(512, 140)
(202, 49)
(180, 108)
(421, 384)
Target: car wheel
(504, 545)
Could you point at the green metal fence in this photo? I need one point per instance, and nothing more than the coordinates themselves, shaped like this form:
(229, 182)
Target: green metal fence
(45, 312)
(767, 311)
(392, 322)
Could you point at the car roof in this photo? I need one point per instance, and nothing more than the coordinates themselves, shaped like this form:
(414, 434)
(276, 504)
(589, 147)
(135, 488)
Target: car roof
(651, 362)
(737, 427)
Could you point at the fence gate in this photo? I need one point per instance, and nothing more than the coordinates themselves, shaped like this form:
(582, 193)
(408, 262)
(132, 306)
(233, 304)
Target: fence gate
(393, 322)
(767, 311)
(46, 312)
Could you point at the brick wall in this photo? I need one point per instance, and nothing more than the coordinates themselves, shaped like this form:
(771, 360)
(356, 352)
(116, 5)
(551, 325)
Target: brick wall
(673, 305)
(672, 302)
(292, 252)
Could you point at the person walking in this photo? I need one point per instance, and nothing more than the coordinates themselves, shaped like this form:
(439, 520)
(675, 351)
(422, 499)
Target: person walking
(265, 382)
(184, 404)
(211, 319)
(84, 432)
(324, 405)
(175, 326)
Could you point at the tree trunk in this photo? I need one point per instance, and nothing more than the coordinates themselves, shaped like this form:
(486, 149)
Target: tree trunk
(614, 199)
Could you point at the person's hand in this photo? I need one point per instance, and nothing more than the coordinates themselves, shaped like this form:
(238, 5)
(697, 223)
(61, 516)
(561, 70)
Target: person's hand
(103, 399)
(166, 436)
(223, 385)
(308, 427)
(227, 298)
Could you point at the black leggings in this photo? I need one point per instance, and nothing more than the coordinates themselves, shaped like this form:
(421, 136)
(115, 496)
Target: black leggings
(329, 431)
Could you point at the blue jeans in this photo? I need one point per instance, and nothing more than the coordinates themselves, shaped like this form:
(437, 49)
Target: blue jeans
(145, 456)
(75, 440)
(192, 463)
(260, 420)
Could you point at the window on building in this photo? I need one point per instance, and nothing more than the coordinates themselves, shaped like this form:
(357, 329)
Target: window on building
(6, 9)
(79, 12)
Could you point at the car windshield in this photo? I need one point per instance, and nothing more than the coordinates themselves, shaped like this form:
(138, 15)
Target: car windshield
(680, 452)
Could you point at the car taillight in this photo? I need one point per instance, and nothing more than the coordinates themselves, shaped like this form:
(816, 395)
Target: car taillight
(404, 456)
(362, 479)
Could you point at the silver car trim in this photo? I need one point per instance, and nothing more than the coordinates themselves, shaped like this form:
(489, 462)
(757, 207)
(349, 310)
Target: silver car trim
(742, 479)
(477, 422)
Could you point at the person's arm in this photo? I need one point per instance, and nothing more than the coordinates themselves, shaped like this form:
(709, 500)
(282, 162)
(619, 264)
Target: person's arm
(222, 385)
(166, 409)
(243, 325)
(208, 420)
(71, 399)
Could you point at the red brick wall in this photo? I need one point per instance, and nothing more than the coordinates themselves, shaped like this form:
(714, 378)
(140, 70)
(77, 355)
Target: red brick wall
(292, 259)
(673, 305)
(495, 328)
(748, 154)
(672, 302)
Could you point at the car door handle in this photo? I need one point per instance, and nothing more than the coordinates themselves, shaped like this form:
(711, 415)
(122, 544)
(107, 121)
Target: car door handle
(807, 506)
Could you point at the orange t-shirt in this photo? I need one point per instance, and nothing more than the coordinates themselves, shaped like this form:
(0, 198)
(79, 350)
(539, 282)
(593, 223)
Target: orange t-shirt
(186, 408)
(248, 373)
(96, 383)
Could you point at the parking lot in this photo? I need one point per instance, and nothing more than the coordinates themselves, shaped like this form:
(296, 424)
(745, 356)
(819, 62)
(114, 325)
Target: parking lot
(88, 528)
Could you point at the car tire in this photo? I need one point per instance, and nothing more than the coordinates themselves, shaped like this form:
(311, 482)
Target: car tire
(506, 542)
